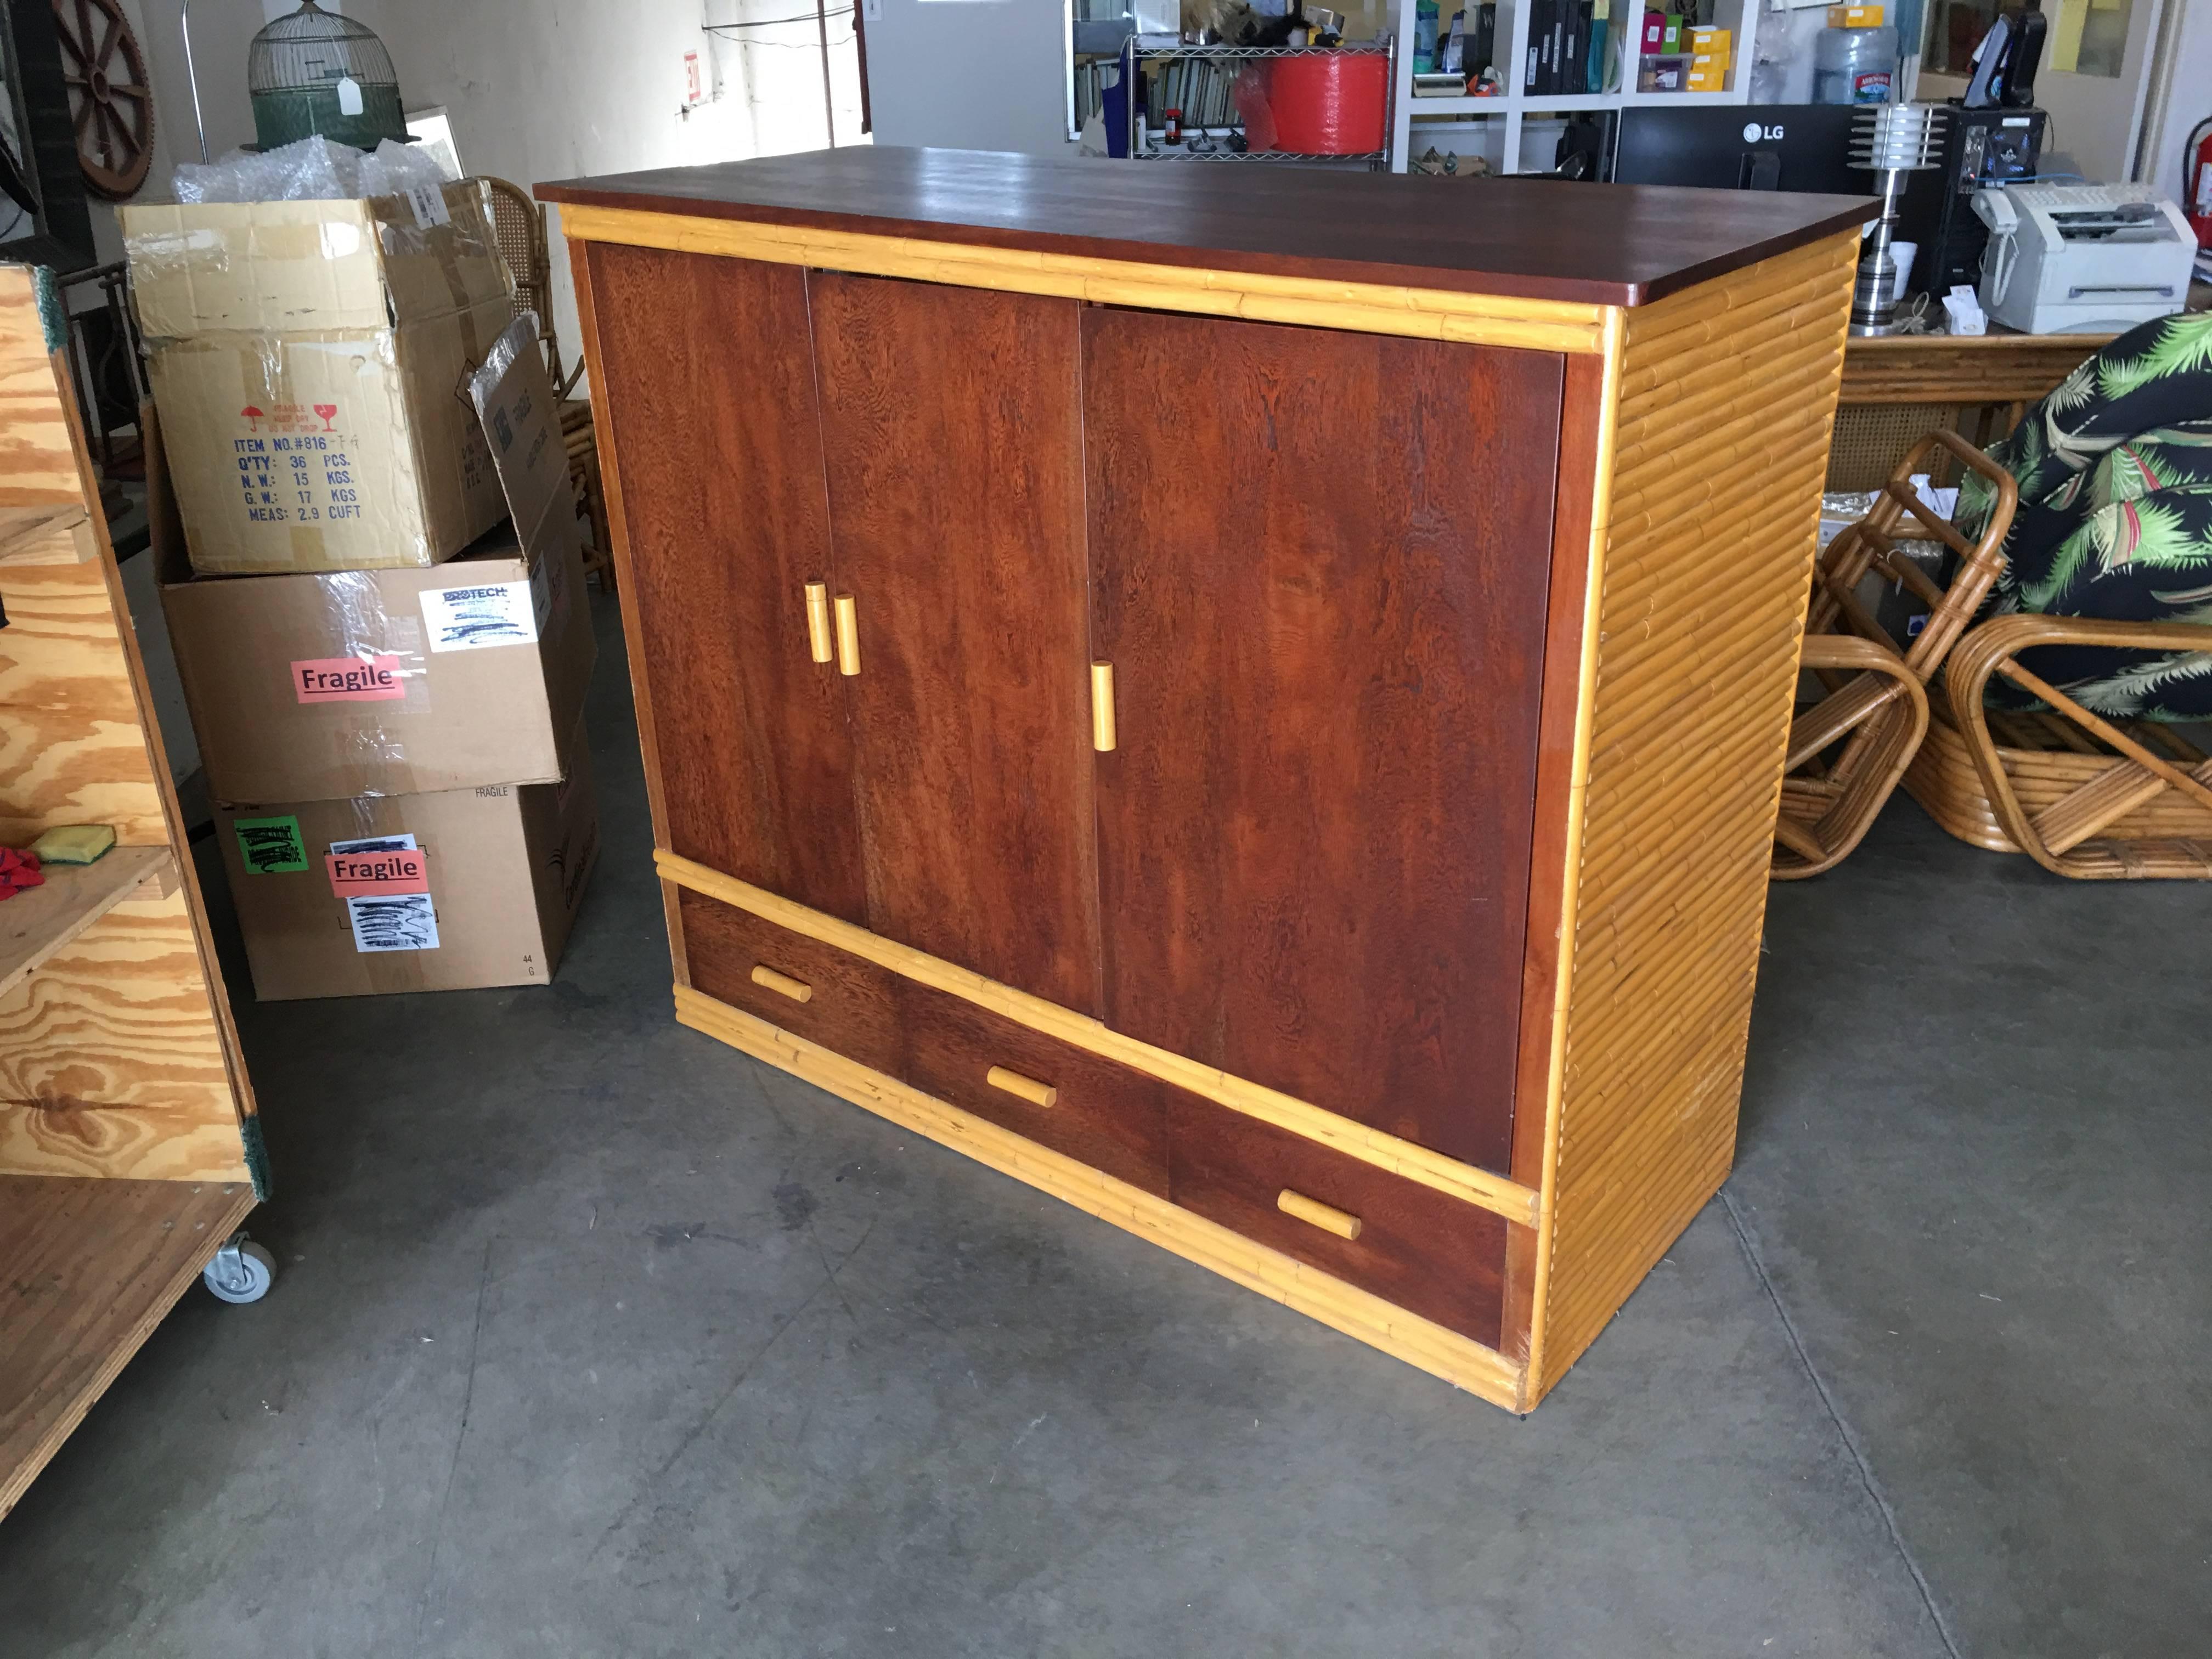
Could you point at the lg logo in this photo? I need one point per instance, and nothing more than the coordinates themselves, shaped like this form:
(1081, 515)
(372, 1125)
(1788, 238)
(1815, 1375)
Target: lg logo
(1752, 132)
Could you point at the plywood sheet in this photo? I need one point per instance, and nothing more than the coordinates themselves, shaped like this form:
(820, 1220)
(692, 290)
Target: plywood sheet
(87, 1270)
(38, 461)
(112, 1057)
(72, 750)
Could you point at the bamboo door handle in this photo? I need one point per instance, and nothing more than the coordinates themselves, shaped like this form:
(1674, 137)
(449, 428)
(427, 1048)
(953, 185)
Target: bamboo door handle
(1102, 707)
(849, 635)
(1028, 1088)
(797, 989)
(1312, 1209)
(817, 621)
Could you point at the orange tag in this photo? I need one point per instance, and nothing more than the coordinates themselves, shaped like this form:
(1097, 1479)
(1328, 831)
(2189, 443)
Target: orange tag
(378, 875)
(347, 679)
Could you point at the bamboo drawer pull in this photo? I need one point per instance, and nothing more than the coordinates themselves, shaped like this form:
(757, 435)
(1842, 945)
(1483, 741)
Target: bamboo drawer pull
(849, 635)
(1102, 707)
(1037, 1094)
(1320, 1215)
(817, 621)
(797, 989)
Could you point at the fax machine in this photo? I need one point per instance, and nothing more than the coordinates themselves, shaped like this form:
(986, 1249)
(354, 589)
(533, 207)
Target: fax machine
(2082, 259)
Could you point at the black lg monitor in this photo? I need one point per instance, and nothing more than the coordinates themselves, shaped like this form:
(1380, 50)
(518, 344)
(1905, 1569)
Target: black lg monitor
(1800, 147)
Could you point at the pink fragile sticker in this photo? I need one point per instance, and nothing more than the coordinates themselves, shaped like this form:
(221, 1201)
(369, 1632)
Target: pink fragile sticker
(347, 679)
(378, 874)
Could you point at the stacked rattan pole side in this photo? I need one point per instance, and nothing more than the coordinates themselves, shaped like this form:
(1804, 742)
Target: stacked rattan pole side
(1728, 394)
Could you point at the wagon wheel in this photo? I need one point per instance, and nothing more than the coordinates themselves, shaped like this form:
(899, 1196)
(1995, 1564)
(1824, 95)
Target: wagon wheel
(111, 100)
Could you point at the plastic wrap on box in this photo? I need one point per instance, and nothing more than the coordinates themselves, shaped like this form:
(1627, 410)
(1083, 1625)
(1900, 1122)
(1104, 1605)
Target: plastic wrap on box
(312, 170)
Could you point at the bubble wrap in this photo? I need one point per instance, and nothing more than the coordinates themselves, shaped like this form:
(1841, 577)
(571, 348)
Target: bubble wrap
(313, 170)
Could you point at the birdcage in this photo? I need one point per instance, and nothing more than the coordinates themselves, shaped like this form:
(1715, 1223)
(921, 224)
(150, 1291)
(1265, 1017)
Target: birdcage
(314, 71)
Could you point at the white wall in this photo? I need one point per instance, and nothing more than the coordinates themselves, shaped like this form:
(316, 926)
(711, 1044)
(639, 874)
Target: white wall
(2190, 99)
(536, 90)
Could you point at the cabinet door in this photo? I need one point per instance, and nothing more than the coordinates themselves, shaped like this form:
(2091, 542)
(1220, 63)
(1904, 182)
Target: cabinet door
(952, 419)
(1320, 564)
(705, 372)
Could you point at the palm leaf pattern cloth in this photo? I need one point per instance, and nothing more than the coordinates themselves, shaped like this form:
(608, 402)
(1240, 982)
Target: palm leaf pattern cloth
(2115, 520)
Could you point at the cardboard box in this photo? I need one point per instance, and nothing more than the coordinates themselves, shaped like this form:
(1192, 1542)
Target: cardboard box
(310, 360)
(384, 682)
(1855, 17)
(394, 681)
(431, 892)
(1705, 79)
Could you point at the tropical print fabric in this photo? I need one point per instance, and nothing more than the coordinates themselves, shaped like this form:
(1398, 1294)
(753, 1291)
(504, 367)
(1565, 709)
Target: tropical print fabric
(2115, 520)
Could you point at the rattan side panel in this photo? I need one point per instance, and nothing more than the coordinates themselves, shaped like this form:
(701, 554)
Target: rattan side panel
(1727, 398)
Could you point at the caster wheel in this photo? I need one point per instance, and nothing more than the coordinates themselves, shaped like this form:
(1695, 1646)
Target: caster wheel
(241, 1271)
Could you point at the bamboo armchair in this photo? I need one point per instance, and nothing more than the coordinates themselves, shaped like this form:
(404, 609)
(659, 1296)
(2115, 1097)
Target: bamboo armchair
(2093, 798)
(1848, 751)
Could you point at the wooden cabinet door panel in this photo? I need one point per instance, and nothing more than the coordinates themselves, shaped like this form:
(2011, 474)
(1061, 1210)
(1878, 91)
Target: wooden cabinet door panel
(1319, 562)
(704, 366)
(952, 417)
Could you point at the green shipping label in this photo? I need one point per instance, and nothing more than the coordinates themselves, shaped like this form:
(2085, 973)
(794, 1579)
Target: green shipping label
(271, 847)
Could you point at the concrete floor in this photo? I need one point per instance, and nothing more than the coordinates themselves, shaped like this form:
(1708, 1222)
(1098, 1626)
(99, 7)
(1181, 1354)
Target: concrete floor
(592, 1337)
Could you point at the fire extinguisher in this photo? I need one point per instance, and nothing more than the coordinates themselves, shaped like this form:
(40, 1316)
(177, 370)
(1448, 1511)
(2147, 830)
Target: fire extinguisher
(2196, 180)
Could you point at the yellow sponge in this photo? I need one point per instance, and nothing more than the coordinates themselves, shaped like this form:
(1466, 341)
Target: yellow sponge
(73, 843)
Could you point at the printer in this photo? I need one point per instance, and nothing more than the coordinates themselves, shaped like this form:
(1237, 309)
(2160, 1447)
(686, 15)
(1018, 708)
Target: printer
(2082, 259)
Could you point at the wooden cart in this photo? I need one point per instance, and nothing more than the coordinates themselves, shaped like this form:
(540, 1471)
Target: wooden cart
(129, 1148)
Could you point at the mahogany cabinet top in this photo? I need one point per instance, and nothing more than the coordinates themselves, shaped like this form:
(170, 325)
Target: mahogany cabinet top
(1534, 239)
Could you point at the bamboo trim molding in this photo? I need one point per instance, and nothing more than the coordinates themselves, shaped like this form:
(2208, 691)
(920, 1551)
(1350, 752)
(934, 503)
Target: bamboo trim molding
(1457, 1359)
(1363, 307)
(1494, 1192)
(1577, 796)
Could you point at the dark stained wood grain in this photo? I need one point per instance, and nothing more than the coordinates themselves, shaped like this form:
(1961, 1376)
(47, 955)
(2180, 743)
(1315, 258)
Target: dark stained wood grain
(1107, 1116)
(1575, 502)
(957, 509)
(1321, 564)
(641, 693)
(706, 382)
(1534, 239)
(855, 1006)
(1427, 1253)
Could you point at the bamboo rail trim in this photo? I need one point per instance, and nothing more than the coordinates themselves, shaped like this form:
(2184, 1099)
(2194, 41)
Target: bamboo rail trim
(1480, 1188)
(1457, 1359)
(1364, 307)
(1681, 734)
(1577, 801)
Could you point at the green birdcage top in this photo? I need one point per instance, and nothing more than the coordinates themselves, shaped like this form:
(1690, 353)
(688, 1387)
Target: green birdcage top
(313, 71)
(312, 47)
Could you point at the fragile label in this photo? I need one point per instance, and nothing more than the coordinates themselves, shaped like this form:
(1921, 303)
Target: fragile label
(429, 203)
(401, 921)
(470, 618)
(271, 847)
(349, 679)
(378, 872)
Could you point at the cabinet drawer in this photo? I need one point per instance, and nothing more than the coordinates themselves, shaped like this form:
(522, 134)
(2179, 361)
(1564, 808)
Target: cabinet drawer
(811, 989)
(1101, 1113)
(1419, 1249)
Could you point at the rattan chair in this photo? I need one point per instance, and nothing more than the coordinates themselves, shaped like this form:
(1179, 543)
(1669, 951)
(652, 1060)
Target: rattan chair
(519, 228)
(1848, 750)
(2093, 798)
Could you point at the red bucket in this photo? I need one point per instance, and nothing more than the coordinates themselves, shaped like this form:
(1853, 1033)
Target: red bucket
(1330, 104)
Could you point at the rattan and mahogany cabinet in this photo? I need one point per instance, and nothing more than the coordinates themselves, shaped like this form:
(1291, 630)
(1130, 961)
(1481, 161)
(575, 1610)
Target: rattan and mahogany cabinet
(1254, 702)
